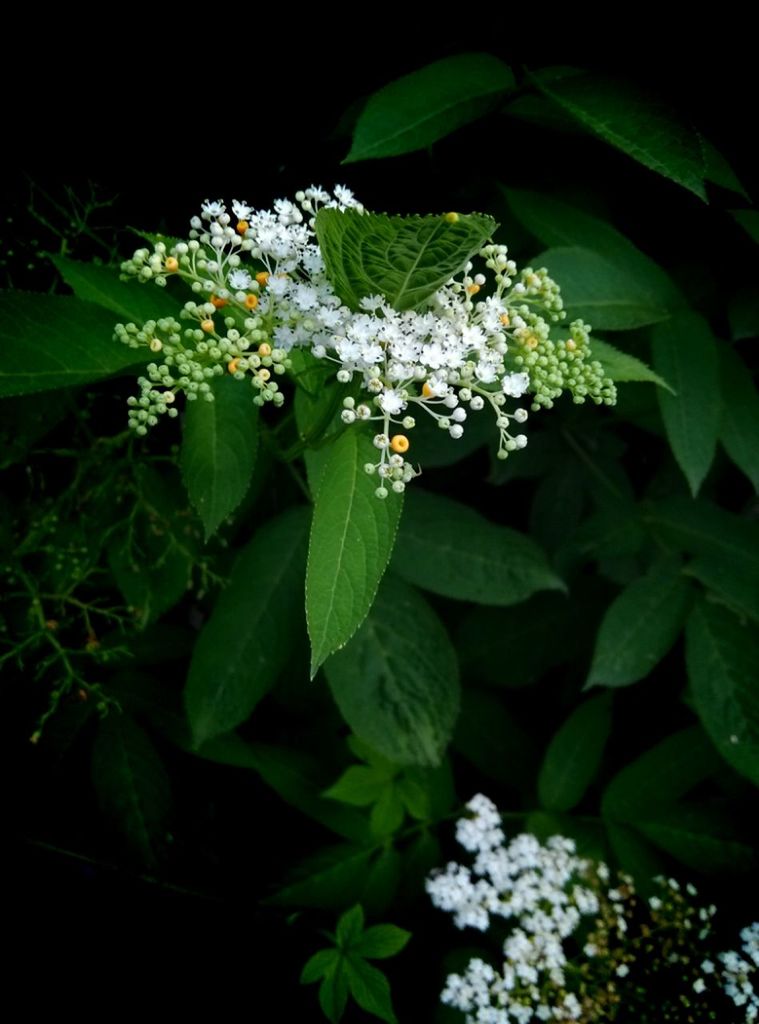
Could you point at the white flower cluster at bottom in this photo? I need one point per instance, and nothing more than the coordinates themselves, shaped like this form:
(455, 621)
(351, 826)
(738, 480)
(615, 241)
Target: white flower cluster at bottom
(579, 947)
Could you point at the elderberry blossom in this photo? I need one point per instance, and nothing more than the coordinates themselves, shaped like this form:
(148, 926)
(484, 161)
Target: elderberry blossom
(488, 339)
(260, 289)
(578, 945)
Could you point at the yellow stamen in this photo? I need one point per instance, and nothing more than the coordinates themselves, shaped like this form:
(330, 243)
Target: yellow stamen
(263, 278)
(172, 264)
(473, 289)
(206, 325)
(242, 227)
(264, 349)
(251, 301)
(399, 443)
(232, 365)
(427, 390)
(504, 318)
(217, 303)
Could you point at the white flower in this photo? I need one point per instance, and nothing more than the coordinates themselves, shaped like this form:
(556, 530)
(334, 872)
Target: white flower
(239, 280)
(241, 210)
(213, 209)
(515, 384)
(391, 402)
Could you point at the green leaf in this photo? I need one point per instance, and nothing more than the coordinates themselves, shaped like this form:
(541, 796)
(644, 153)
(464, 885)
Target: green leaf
(494, 741)
(574, 755)
(486, 634)
(622, 367)
(151, 569)
(350, 926)
(722, 655)
(370, 988)
(640, 626)
(406, 259)
(588, 835)
(661, 775)
(131, 301)
(319, 965)
(56, 341)
(248, 639)
(635, 855)
(749, 221)
(556, 223)
(335, 877)
(414, 111)
(726, 546)
(602, 293)
(219, 446)
(739, 432)
(381, 941)
(131, 784)
(641, 126)
(294, 775)
(388, 813)
(450, 549)
(744, 314)
(685, 354)
(701, 528)
(699, 837)
(26, 419)
(732, 579)
(396, 683)
(718, 170)
(333, 994)
(359, 786)
(352, 536)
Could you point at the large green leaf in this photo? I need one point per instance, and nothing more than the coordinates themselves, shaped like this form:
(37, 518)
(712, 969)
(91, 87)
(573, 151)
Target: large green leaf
(661, 776)
(396, 683)
(131, 301)
(557, 223)
(685, 354)
(640, 626)
(722, 656)
(219, 447)
(701, 528)
(506, 647)
(332, 879)
(418, 109)
(574, 755)
(406, 259)
(131, 784)
(495, 741)
(701, 837)
(56, 341)
(739, 432)
(639, 125)
(352, 537)
(450, 549)
(297, 777)
(248, 639)
(607, 295)
(622, 367)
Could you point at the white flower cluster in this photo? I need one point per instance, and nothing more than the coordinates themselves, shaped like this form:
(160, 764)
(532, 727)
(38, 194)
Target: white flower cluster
(262, 290)
(737, 971)
(541, 888)
(558, 904)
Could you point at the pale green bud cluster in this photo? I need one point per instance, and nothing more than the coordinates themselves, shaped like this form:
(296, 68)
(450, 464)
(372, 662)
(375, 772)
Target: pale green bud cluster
(555, 366)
